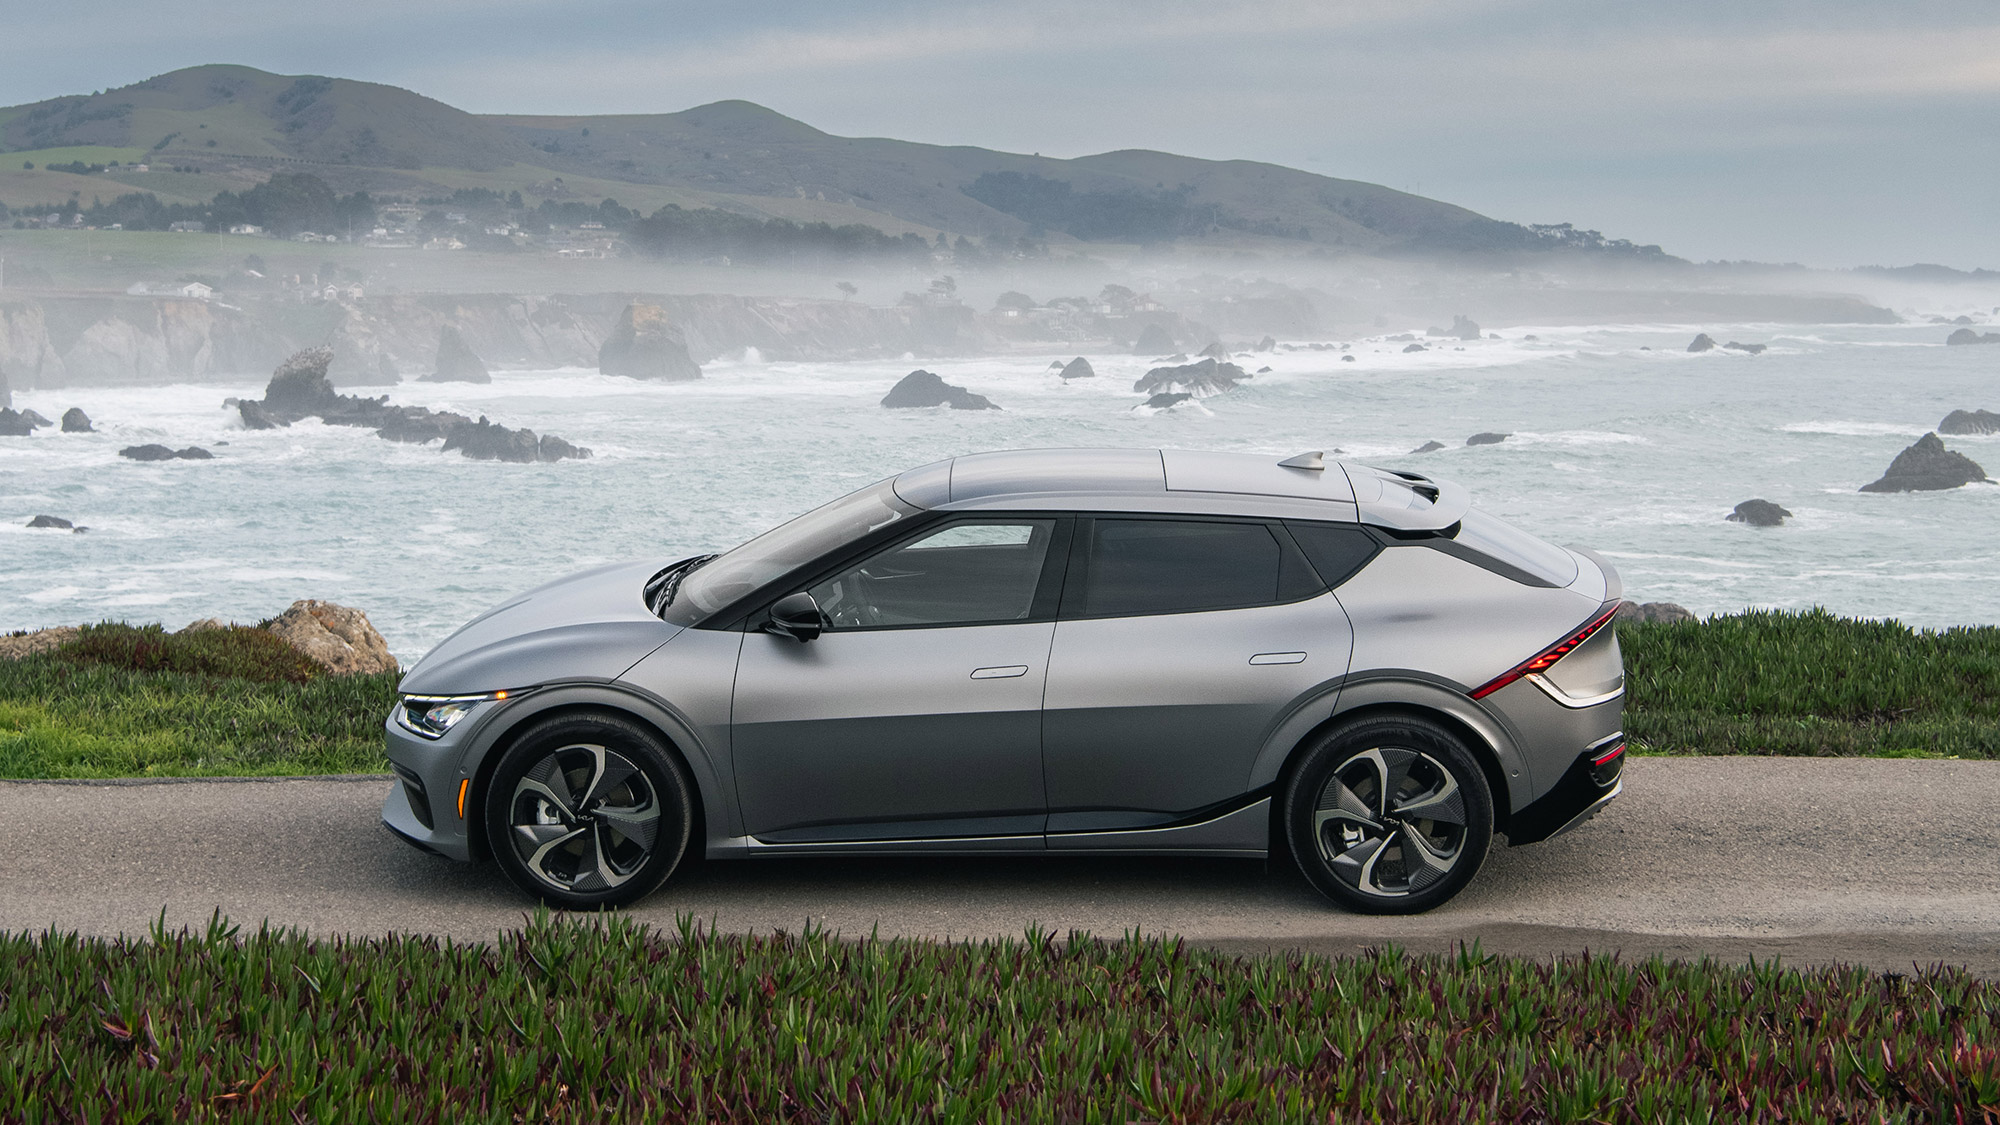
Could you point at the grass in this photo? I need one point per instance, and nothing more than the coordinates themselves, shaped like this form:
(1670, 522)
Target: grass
(569, 1020)
(126, 702)
(1812, 684)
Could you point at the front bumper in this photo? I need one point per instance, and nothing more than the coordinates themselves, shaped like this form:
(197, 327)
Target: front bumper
(422, 807)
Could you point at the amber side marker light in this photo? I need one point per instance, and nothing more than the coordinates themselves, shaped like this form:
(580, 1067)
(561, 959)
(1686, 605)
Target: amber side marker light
(1549, 656)
(463, 785)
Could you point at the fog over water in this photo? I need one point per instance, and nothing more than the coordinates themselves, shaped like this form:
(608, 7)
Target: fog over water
(1636, 453)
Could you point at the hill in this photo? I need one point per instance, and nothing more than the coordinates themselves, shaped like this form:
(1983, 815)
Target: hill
(212, 128)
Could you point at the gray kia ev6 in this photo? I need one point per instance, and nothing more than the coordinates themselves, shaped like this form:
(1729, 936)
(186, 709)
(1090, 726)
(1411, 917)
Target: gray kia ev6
(1112, 651)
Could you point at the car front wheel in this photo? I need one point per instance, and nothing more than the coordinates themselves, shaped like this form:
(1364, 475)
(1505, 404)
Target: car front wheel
(1389, 815)
(588, 811)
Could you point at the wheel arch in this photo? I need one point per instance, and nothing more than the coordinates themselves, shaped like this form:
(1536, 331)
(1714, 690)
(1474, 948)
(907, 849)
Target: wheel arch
(585, 700)
(1492, 745)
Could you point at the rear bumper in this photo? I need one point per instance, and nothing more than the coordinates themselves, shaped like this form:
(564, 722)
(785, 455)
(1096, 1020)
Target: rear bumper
(1591, 782)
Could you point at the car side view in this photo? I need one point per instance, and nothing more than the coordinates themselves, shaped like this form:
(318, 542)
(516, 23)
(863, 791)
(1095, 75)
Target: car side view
(1111, 651)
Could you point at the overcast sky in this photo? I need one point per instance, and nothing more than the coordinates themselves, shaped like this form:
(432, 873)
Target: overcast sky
(1831, 133)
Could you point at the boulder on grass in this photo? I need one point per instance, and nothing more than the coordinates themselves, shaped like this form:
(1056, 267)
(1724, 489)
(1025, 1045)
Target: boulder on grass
(34, 644)
(1758, 513)
(338, 638)
(1653, 612)
(1927, 466)
(921, 388)
(75, 421)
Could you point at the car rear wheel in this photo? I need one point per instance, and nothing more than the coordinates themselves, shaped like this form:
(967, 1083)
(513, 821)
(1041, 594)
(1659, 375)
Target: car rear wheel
(588, 811)
(1389, 815)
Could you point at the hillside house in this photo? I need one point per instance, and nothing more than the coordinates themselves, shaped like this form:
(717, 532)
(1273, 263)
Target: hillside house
(185, 227)
(196, 290)
(245, 228)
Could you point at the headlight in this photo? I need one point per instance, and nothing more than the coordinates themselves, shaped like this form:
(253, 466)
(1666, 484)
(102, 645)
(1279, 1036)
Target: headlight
(432, 715)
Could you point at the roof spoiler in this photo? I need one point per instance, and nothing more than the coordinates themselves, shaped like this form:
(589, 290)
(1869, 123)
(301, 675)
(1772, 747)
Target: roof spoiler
(1406, 501)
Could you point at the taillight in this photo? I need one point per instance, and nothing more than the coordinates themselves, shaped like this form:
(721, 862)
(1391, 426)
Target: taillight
(1604, 767)
(1547, 658)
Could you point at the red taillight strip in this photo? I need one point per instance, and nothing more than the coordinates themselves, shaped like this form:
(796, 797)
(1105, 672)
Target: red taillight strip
(1608, 755)
(1549, 656)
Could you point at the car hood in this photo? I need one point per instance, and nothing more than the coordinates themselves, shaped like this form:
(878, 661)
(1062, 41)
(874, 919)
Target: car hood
(589, 626)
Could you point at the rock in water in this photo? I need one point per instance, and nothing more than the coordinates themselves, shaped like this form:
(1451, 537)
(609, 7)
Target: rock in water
(155, 452)
(1753, 349)
(1758, 513)
(1267, 344)
(921, 388)
(1208, 377)
(1702, 343)
(455, 361)
(1214, 350)
(1153, 340)
(6, 395)
(487, 441)
(1165, 401)
(1461, 327)
(1408, 348)
(1970, 422)
(1487, 439)
(52, 521)
(335, 637)
(1653, 612)
(1347, 359)
(646, 346)
(1078, 368)
(75, 421)
(14, 425)
(1428, 447)
(1925, 467)
(1968, 336)
(34, 420)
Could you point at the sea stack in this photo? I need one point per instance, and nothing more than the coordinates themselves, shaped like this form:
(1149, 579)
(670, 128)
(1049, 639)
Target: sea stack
(1927, 466)
(456, 362)
(645, 345)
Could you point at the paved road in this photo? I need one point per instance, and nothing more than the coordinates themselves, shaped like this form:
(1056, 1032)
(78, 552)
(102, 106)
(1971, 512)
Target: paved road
(1883, 863)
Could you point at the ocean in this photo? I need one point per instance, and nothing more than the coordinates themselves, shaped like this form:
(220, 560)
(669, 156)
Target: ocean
(1619, 440)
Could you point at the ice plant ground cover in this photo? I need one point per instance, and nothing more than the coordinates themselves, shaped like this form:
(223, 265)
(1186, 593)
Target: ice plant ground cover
(126, 702)
(576, 1019)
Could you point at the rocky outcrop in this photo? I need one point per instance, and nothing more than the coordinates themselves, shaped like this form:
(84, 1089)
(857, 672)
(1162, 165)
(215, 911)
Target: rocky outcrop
(1209, 377)
(1487, 439)
(1268, 343)
(1753, 349)
(1428, 447)
(1408, 348)
(300, 389)
(1165, 401)
(1153, 339)
(921, 388)
(1758, 513)
(1461, 328)
(646, 346)
(1927, 466)
(6, 393)
(1078, 368)
(1214, 350)
(55, 523)
(455, 361)
(155, 452)
(1347, 359)
(34, 644)
(1968, 336)
(13, 424)
(338, 638)
(1703, 343)
(1970, 422)
(1656, 612)
(75, 421)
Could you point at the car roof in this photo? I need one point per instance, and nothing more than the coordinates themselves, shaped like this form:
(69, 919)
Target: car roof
(1304, 486)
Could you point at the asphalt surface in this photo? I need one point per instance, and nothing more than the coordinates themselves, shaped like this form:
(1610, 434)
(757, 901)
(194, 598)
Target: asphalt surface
(1881, 863)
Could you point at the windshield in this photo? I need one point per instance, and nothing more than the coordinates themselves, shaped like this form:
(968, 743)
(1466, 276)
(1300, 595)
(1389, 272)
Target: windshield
(791, 545)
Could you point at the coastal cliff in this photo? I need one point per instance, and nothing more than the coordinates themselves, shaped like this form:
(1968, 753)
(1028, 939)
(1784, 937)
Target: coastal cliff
(107, 340)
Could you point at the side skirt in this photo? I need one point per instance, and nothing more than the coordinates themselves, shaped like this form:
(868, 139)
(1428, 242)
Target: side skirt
(1242, 833)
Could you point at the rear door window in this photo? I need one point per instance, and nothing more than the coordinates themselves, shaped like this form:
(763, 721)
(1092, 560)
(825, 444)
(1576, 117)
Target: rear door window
(1134, 567)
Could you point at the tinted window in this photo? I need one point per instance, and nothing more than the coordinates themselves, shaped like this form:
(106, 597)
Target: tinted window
(1179, 566)
(789, 546)
(1337, 551)
(956, 575)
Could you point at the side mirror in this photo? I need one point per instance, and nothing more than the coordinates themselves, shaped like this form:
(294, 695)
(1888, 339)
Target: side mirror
(796, 616)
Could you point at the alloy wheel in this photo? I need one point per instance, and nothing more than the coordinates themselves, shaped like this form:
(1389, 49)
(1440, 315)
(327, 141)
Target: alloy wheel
(1390, 822)
(584, 818)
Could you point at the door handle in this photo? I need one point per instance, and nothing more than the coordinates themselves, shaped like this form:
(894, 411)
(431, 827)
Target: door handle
(1279, 658)
(1001, 672)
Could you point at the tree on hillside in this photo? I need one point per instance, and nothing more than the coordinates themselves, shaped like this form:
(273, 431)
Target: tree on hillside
(1014, 300)
(847, 289)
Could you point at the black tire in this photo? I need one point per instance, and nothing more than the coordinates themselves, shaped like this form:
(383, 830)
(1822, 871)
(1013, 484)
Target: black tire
(569, 809)
(1377, 861)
